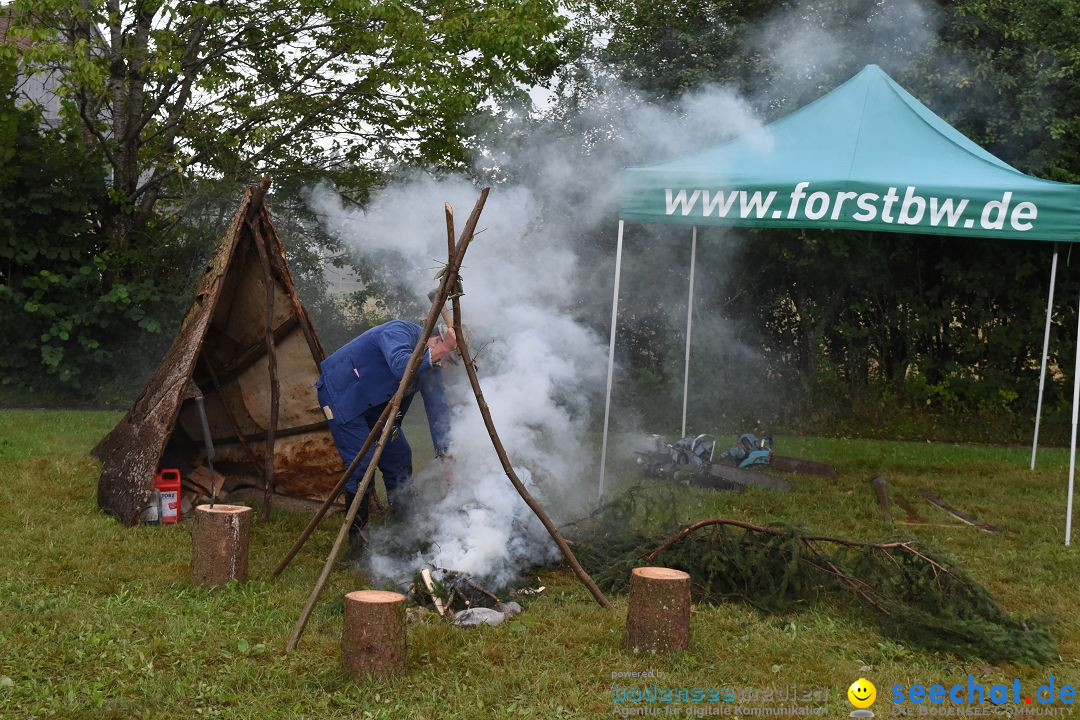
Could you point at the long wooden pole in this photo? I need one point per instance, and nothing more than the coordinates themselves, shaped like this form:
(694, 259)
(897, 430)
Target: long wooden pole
(254, 210)
(508, 468)
(301, 623)
(449, 282)
(317, 518)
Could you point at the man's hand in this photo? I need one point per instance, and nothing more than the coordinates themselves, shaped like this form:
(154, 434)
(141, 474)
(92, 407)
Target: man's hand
(442, 346)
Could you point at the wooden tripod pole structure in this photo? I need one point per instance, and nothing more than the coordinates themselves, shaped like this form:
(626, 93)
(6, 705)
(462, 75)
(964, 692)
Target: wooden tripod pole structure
(376, 429)
(508, 468)
(449, 282)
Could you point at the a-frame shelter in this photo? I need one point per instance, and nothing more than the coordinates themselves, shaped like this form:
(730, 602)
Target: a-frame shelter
(221, 351)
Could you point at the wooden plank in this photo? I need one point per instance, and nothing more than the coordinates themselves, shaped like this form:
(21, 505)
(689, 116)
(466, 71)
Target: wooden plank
(281, 432)
(705, 480)
(253, 354)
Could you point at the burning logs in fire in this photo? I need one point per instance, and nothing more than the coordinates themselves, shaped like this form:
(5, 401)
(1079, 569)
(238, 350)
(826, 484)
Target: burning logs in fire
(658, 618)
(373, 641)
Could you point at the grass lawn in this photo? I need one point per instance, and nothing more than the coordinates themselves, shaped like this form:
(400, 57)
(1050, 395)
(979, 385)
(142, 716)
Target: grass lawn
(98, 620)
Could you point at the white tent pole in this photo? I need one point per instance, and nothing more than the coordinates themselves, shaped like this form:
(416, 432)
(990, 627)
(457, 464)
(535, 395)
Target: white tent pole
(611, 359)
(1046, 348)
(1072, 444)
(689, 327)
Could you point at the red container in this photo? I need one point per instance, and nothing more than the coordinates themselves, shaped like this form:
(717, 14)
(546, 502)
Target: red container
(167, 482)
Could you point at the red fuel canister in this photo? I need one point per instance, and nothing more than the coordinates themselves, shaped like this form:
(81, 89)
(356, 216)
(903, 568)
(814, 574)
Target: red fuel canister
(167, 482)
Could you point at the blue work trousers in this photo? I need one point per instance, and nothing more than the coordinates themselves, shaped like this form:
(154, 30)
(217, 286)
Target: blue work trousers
(395, 463)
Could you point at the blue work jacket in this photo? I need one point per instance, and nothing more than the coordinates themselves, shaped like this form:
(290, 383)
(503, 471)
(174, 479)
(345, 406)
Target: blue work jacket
(366, 372)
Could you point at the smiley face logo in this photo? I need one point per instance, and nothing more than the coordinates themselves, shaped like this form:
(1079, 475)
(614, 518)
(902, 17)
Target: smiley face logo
(862, 694)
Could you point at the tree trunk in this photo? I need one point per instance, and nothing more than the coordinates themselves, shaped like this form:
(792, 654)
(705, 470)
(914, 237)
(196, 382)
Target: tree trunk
(128, 55)
(658, 616)
(219, 544)
(373, 641)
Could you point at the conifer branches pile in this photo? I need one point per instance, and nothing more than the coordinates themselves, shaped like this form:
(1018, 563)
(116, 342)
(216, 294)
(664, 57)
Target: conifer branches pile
(915, 594)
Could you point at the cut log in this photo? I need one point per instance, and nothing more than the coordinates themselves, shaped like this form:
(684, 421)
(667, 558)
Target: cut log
(208, 484)
(881, 489)
(429, 585)
(373, 640)
(219, 544)
(658, 617)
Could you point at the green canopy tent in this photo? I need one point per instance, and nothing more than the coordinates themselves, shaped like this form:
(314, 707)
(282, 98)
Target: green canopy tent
(866, 156)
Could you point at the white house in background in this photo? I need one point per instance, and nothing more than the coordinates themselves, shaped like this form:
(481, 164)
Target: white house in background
(38, 88)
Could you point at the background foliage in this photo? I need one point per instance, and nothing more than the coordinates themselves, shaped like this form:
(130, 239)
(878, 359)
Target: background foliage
(61, 322)
(170, 106)
(843, 332)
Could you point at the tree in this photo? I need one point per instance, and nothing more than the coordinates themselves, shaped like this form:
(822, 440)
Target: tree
(1015, 65)
(169, 90)
(57, 318)
(669, 48)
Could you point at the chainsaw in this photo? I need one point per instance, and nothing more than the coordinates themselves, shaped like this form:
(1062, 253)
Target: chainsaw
(693, 461)
(750, 450)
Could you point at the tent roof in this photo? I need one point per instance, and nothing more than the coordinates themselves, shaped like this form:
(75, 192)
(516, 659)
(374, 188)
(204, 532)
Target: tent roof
(864, 137)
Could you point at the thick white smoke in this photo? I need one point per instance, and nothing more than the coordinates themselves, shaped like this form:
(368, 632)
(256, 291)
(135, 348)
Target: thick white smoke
(541, 369)
(535, 363)
(812, 46)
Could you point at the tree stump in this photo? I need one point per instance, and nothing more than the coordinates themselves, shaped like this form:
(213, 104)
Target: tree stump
(658, 617)
(219, 544)
(373, 640)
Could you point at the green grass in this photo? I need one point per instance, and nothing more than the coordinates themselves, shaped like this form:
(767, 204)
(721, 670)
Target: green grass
(98, 620)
